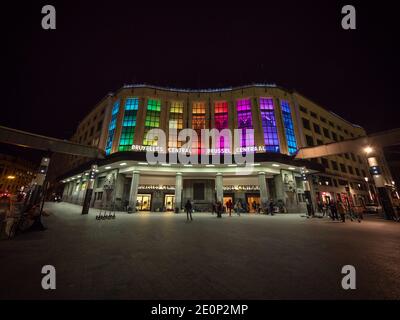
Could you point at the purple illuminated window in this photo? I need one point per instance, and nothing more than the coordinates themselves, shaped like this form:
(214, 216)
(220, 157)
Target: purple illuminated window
(269, 124)
(243, 107)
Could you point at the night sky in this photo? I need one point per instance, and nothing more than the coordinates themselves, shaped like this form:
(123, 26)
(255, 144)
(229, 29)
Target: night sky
(51, 78)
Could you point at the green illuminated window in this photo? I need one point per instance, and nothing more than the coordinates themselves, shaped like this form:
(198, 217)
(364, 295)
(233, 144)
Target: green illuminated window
(128, 124)
(152, 120)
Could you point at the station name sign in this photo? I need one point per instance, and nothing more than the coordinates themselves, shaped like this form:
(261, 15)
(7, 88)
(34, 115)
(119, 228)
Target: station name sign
(210, 151)
(241, 188)
(155, 187)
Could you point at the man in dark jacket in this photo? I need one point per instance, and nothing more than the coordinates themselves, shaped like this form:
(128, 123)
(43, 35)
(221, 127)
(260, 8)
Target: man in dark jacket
(188, 209)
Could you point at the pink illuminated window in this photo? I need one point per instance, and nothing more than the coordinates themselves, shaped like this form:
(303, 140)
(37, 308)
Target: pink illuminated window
(221, 120)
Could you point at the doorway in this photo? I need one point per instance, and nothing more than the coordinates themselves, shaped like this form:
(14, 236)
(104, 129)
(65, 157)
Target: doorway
(143, 202)
(253, 202)
(169, 202)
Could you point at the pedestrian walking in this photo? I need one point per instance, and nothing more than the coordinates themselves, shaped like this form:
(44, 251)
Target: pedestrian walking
(188, 209)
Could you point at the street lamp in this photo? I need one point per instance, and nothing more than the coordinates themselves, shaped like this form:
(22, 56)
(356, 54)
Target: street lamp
(368, 149)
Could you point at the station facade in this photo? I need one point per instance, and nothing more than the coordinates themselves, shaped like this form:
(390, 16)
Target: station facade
(274, 123)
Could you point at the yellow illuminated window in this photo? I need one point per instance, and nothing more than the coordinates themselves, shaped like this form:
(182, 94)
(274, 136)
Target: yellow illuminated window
(199, 107)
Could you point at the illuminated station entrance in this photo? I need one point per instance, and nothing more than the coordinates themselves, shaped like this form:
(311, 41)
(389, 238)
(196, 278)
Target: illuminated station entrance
(135, 185)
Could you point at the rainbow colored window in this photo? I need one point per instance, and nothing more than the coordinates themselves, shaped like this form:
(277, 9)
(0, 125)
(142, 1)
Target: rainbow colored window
(112, 126)
(288, 125)
(268, 122)
(243, 107)
(128, 124)
(152, 120)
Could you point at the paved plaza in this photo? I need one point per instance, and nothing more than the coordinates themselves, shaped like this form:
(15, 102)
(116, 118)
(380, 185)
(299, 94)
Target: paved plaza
(161, 256)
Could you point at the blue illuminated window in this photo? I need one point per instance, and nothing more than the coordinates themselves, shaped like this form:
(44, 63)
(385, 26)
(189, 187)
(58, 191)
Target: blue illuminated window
(128, 124)
(268, 122)
(288, 125)
(112, 126)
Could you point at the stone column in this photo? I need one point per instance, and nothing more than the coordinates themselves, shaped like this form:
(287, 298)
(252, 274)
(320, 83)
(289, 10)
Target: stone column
(219, 187)
(264, 194)
(280, 193)
(178, 192)
(134, 190)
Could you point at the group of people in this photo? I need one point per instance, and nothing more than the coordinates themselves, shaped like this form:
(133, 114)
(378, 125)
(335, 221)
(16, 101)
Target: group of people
(336, 209)
(239, 207)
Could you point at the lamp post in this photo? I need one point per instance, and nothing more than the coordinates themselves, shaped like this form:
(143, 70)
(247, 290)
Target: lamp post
(383, 196)
(368, 188)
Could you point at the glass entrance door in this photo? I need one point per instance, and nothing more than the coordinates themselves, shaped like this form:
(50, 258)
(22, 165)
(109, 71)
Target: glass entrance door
(253, 203)
(169, 202)
(143, 202)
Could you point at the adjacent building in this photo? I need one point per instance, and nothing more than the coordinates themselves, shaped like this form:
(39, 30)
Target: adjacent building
(15, 174)
(283, 121)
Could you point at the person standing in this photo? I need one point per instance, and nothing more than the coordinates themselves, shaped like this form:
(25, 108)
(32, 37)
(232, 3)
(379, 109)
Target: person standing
(238, 207)
(271, 207)
(220, 208)
(342, 211)
(396, 211)
(254, 206)
(229, 206)
(334, 213)
(188, 209)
